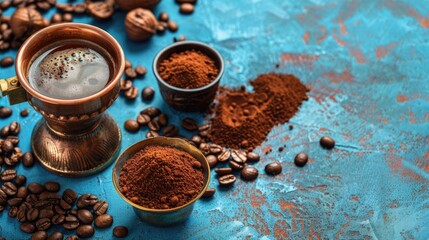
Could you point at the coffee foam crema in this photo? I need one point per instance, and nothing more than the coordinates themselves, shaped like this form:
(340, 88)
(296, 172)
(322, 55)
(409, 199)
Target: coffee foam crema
(69, 73)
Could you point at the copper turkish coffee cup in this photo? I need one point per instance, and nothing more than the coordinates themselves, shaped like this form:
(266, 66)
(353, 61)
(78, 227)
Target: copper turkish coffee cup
(194, 99)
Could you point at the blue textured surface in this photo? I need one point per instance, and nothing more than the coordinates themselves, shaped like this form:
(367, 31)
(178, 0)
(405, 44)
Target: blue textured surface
(366, 63)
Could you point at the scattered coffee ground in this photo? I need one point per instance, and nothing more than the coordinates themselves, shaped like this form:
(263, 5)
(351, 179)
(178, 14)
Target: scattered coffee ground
(244, 119)
(161, 177)
(188, 69)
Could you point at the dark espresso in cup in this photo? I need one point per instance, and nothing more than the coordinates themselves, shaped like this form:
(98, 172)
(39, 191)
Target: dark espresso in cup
(70, 69)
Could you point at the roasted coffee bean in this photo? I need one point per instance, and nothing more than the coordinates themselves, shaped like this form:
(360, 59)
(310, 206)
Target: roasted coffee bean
(85, 216)
(50, 196)
(73, 212)
(120, 231)
(5, 112)
(196, 164)
(5, 4)
(58, 219)
(205, 148)
(17, 2)
(80, 8)
(3, 197)
(197, 140)
(163, 119)
(31, 199)
(46, 213)
(249, 173)
(132, 93)
(52, 186)
(73, 237)
(224, 156)
(160, 28)
(8, 175)
(14, 201)
(143, 119)
(100, 10)
(39, 235)
(163, 17)
(56, 18)
(28, 159)
(186, 8)
(13, 211)
(152, 134)
(6, 62)
(130, 73)
(22, 192)
(151, 111)
(147, 93)
(235, 166)
(140, 70)
(70, 222)
(212, 160)
(7, 146)
(4, 131)
(209, 192)
(223, 171)
(86, 201)
(126, 85)
(43, 224)
(56, 236)
(32, 214)
(59, 210)
(172, 26)
(227, 180)
(69, 196)
(85, 231)
(44, 6)
(238, 156)
(301, 159)
(253, 157)
(13, 139)
(100, 207)
(128, 64)
(27, 227)
(103, 221)
(170, 131)
(186, 1)
(215, 149)
(273, 168)
(67, 17)
(131, 125)
(189, 124)
(24, 113)
(35, 188)
(327, 142)
(9, 188)
(64, 205)
(153, 125)
(41, 205)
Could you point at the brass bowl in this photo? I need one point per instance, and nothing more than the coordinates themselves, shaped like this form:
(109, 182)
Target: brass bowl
(162, 217)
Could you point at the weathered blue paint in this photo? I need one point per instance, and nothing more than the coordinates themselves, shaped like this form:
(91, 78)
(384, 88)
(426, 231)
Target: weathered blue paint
(366, 63)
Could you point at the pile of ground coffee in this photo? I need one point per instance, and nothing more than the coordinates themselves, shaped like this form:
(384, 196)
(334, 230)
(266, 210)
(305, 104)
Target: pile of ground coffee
(188, 69)
(244, 119)
(161, 177)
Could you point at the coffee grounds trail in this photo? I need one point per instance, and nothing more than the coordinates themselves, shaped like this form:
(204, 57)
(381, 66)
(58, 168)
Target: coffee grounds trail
(243, 119)
(161, 177)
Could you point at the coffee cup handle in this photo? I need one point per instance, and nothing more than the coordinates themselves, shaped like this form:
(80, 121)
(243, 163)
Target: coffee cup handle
(10, 87)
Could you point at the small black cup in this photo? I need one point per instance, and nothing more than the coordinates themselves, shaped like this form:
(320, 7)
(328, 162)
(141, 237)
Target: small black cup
(188, 100)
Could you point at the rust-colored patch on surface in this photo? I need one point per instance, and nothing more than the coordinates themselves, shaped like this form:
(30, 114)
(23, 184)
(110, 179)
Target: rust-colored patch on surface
(396, 166)
(358, 55)
(298, 59)
(306, 37)
(257, 198)
(280, 229)
(334, 77)
(340, 42)
(401, 98)
(412, 119)
(385, 217)
(354, 198)
(403, 9)
(393, 204)
(343, 29)
(381, 52)
(324, 35)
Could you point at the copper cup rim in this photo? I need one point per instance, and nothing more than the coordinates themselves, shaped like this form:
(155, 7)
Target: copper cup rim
(154, 210)
(30, 89)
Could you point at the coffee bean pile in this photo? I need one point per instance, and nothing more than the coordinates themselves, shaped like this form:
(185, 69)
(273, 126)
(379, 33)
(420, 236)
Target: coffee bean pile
(164, 23)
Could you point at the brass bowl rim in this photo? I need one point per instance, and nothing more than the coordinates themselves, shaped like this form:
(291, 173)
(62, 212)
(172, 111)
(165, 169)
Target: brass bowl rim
(152, 210)
(109, 87)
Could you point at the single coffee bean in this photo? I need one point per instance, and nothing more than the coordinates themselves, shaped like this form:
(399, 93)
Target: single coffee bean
(84, 216)
(44, 6)
(163, 17)
(120, 231)
(197, 140)
(224, 156)
(73, 212)
(43, 224)
(27, 227)
(64, 205)
(35, 188)
(100, 10)
(3, 197)
(147, 93)
(85, 231)
(238, 156)
(153, 125)
(39, 235)
(8, 175)
(163, 119)
(209, 192)
(205, 148)
(67, 17)
(126, 85)
(32, 214)
(13, 139)
(56, 18)
(52, 186)
(189, 124)
(151, 111)
(223, 171)
(273, 168)
(227, 180)
(14, 128)
(143, 119)
(13, 211)
(46, 213)
(24, 113)
(28, 159)
(170, 131)
(7, 146)
(59, 210)
(253, 157)
(4, 131)
(5, 112)
(172, 26)
(327, 142)
(301, 159)
(131, 125)
(6, 62)
(212, 159)
(22, 192)
(14, 201)
(9, 188)
(103, 221)
(140, 70)
(100, 207)
(69, 196)
(70, 222)
(72, 237)
(58, 219)
(80, 8)
(249, 173)
(235, 166)
(56, 236)
(50, 196)
(186, 8)
(152, 134)
(132, 93)
(130, 73)
(160, 28)
(128, 64)
(215, 149)
(86, 201)
(196, 164)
